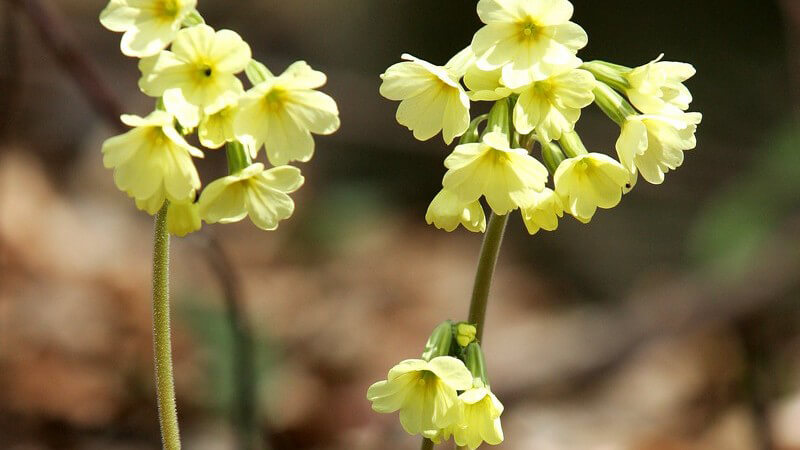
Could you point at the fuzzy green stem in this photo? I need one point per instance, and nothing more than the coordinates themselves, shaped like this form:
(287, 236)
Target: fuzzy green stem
(162, 343)
(483, 278)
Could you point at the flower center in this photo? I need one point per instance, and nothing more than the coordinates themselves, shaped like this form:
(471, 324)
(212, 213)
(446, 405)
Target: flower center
(206, 70)
(275, 98)
(529, 30)
(167, 8)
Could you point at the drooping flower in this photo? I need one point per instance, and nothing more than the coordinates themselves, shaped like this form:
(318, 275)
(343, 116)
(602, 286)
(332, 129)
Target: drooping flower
(253, 191)
(654, 144)
(183, 218)
(446, 212)
(530, 40)
(282, 112)
(480, 418)
(198, 75)
(657, 87)
(553, 106)
(493, 169)
(149, 25)
(590, 181)
(153, 162)
(431, 99)
(217, 129)
(424, 392)
(543, 211)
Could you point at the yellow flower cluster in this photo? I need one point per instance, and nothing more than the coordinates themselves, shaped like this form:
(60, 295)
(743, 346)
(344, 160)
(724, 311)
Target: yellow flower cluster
(525, 60)
(442, 396)
(194, 73)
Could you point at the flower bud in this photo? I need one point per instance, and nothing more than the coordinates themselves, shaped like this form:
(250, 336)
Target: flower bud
(612, 103)
(439, 342)
(465, 333)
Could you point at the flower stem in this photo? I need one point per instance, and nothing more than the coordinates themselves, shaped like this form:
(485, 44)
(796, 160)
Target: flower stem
(427, 444)
(162, 343)
(486, 264)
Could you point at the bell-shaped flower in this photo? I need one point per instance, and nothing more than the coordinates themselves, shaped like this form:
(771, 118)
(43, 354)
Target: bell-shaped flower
(553, 106)
(183, 218)
(149, 25)
(198, 75)
(431, 98)
(654, 144)
(493, 169)
(253, 191)
(153, 162)
(217, 129)
(425, 393)
(590, 181)
(480, 418)
(542, 211)
(657, 87)
(530, 40)
(282, 112)
(446, 212)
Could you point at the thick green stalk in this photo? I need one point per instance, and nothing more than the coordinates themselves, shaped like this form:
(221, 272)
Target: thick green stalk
(162, 342)
(483, 278)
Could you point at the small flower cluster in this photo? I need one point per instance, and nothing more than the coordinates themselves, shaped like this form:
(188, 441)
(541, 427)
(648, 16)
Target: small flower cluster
(446, 393)
(525, 60)
(193, 71)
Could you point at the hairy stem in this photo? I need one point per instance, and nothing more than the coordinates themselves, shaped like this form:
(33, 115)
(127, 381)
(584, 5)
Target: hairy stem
(483, 277)
(162, 342)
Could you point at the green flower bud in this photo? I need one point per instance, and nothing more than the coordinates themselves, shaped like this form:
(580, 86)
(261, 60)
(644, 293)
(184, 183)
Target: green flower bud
(439, 342)
(612, 103)
(476, 363)
(610, 74)
(465, 333)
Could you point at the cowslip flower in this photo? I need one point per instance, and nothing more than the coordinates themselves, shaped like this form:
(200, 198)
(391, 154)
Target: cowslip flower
(480, 417)
(431, 99)
(282, 112)
(153, 162)
(183, 218)
(149, 25)
(590, 181)
(254, 192)
(553, 106)
(424, 392)
(657, 87)
(447, 212)
(530, 40)
(493, 169)
(543, 211)
(654, 144)
(198, 75)
(217, 129)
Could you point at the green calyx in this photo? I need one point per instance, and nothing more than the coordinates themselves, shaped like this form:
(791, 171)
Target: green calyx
(238, 157)
(473, 135)
(476, 363)
(552, 156)
(572, 144)
(439, 342)
(611, 74)
(614, 105)
(257, 73)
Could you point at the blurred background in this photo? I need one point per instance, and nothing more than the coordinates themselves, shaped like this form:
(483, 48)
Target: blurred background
(670, 322)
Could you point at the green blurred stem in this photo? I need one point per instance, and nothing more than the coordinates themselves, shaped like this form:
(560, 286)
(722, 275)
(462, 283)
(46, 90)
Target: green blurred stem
(483, 278)
(427, 444)
(162, 342)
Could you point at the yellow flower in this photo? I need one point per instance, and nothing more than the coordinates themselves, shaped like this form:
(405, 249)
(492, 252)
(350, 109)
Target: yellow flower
(553, 106)
(446, 212)
(494, 170)
(431, 99)
(484, 85)
(255, 192)
(153, 162)
(282, 112)
(530, 40)
(654, 144)
(589, 181)
(183, 218)
(657, 87)
(424, 393)
(480, 418)
(149, 25)
(199, 75)
(543, 211)
(217, 129)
